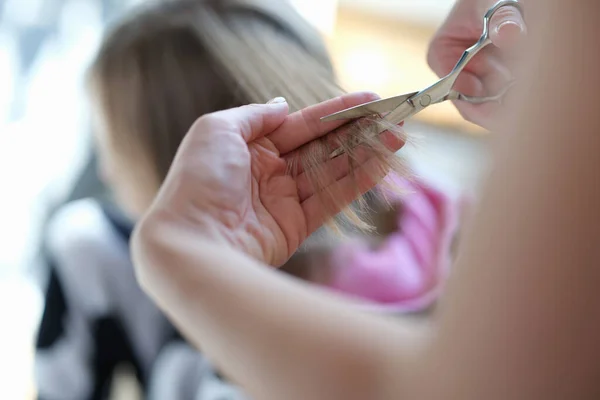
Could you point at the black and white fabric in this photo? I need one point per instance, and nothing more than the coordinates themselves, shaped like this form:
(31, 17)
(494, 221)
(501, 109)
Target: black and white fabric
(96, 318)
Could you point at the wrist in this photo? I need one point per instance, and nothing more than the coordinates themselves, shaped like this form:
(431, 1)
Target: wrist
(162, 239)
(199, 227)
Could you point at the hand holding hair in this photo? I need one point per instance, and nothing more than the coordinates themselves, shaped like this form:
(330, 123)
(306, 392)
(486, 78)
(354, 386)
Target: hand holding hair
(236, 177)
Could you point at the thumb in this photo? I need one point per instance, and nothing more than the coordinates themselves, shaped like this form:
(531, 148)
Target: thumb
(506, 27)
(255, 120)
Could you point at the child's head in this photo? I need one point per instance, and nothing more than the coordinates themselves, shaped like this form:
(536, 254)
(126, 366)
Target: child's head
(170, 62)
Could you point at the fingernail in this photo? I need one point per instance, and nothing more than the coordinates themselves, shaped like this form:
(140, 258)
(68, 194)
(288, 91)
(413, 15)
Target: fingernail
(276, 100)
(509, 28)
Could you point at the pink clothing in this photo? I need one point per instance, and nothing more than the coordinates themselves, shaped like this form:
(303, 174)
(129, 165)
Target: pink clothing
(407, 271)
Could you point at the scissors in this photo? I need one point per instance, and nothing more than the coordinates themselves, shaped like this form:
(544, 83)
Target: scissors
(404, 106)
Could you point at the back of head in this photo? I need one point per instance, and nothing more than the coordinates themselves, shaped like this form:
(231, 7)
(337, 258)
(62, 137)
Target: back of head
(172, 61)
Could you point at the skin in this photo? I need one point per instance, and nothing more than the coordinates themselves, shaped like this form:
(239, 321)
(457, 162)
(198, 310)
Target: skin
(134, 186)
(519, 317)
(248, 148)
(491, 69)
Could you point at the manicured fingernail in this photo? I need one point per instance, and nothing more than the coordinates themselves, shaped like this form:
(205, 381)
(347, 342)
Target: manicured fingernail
(276, 100)
(510, 28)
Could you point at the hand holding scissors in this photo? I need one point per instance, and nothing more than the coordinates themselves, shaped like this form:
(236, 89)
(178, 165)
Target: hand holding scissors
(399, 108)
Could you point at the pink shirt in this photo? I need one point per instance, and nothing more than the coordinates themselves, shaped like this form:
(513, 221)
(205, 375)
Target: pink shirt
(407, 271)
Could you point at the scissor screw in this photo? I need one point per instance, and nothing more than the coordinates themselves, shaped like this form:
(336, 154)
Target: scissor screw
(425, 100)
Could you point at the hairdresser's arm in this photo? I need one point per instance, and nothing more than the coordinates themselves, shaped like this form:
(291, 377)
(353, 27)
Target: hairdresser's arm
(275, 336)
(520, 317)
(194, 255)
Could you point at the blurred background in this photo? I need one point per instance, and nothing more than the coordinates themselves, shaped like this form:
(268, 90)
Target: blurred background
(45, 144)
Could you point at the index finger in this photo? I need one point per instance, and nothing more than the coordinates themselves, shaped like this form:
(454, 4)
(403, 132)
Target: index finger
(305, 125)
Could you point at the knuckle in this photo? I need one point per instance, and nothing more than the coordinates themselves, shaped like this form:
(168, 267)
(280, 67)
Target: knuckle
(369, 96)
(210, 122)
(506, 14)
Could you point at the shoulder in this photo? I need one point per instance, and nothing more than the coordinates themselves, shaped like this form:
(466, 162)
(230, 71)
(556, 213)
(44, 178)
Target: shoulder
(80, 227)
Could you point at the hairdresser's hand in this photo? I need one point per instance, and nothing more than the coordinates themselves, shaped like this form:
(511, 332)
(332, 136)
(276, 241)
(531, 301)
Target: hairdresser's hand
(229, 182)
(489, 70)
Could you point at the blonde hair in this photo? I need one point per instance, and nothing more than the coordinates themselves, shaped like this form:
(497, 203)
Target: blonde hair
(170, 62)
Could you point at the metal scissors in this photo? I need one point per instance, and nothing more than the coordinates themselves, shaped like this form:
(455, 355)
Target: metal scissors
(401, 107)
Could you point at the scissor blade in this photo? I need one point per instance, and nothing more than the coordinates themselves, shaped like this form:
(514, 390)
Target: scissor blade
(401, 113)
(374, 107)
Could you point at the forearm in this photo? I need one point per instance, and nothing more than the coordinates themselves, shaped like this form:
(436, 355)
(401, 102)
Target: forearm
(521, 308)
(275, 336)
